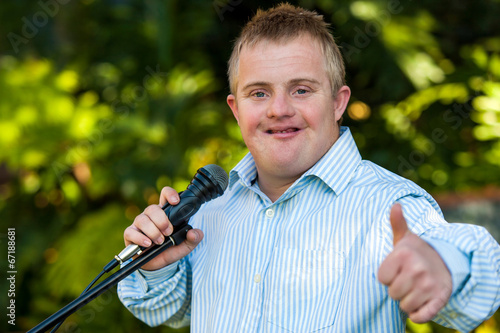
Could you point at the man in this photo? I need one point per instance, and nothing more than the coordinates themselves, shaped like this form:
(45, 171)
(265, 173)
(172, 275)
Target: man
(308, 237)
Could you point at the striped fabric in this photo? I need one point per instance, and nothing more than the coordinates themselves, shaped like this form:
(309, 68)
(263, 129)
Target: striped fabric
(308, 262)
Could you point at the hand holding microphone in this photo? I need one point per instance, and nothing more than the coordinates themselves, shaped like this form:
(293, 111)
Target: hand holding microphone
(158, 221)
(169, 219)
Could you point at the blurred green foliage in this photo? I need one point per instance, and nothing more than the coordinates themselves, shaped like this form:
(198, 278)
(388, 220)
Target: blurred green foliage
(102, 103)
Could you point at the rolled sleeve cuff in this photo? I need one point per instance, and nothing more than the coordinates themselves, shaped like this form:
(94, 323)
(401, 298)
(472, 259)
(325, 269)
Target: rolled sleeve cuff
(457, 262)
(155, 278)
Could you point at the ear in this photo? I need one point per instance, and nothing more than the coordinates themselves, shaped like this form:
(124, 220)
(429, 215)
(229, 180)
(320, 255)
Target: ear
(341, 101)
(231, 101)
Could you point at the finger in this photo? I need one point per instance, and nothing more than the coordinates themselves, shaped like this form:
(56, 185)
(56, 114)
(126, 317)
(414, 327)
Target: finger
(159, 218)
(175, 253)
(401, 286)
(398, 223)
(390, 268)
(132, 235)
(413, 301)
(427, 312)
(145, 225)
(169, 195)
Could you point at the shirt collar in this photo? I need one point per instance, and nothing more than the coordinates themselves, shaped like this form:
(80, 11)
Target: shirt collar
(335, 168)
(245, 170)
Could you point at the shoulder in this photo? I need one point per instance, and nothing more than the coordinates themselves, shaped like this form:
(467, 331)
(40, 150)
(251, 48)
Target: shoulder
(379, 188)
(371, 175)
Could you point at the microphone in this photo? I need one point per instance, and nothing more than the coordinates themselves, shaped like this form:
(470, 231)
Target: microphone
(209, 183)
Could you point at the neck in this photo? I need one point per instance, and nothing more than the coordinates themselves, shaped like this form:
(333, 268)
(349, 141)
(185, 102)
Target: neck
(273, 187)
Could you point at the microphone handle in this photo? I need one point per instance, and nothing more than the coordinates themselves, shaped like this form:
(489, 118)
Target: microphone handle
(188, 205)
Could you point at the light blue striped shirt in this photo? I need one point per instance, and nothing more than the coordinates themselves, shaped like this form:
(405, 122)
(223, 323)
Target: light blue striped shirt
(309, 261)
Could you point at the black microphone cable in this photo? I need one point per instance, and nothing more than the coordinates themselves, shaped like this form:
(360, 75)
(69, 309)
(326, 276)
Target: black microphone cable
(83, 292)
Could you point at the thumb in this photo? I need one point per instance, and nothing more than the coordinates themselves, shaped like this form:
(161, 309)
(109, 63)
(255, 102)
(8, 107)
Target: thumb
(398, 223)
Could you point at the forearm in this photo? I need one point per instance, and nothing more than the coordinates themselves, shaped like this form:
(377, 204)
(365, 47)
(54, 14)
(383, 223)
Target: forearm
(159, 297)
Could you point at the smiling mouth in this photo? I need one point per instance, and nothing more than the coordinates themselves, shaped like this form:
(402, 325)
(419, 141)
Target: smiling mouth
(290, 130)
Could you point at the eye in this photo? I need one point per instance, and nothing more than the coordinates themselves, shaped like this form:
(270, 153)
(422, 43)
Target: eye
(301, 91)
(258, 94)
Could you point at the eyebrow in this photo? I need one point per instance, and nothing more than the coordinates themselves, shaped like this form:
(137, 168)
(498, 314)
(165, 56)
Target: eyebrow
(300, 80)
(255, 84)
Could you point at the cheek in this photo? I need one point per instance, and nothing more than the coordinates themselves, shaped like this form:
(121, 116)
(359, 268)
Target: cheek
(320, 121)
(248, 131)
(325, 128)
(245, 124)
(248, 122)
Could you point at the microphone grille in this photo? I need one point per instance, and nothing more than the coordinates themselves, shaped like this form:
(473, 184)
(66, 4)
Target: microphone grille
(219, 174)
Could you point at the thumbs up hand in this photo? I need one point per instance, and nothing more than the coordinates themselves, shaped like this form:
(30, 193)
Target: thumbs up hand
(414, 272)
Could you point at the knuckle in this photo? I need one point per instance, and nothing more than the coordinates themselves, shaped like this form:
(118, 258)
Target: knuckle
(170, 195)
(404, 253)
(393, 294)
(167, 190)
(421, 271)
(130, 229)
(131, 234)
(150, 209)
(140, 220)
(424, 315)
(128, 232)
(428, 285)
(403, 305)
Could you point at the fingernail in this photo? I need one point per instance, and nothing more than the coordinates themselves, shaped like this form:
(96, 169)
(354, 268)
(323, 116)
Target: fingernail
(159, 240)
(168, 231)
(174, 199)
(147, 243)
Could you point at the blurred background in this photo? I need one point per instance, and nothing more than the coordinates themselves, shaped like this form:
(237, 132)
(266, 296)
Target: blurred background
(102, 103)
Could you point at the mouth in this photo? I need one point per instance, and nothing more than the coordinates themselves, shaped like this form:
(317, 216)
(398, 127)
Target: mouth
(288, 130)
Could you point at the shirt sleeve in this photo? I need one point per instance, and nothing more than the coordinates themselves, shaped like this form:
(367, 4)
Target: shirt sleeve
(159, 297)
(473, 257)
(478, 297)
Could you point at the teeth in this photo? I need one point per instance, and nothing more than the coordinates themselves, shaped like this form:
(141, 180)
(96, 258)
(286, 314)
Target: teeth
(281, 132)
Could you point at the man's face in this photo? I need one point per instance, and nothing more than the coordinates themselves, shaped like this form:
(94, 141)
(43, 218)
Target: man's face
(284, 106)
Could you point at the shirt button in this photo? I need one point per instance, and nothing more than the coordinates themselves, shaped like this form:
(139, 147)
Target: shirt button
(270, 212)
(257, 278)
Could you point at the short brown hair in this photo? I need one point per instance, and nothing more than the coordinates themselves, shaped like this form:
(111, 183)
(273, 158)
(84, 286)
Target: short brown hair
(282, 24)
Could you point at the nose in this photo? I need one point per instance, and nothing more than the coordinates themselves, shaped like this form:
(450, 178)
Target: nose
(280, 106)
